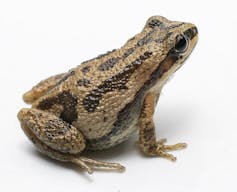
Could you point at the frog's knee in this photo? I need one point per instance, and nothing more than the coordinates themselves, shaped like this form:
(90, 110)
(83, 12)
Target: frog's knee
(52, 131)
(22, 114)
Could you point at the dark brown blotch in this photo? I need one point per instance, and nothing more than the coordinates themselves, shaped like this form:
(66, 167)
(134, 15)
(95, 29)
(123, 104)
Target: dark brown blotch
(83, 82)
(65, 99)
(146, 39)
(85, 69)
(105, 119)
(155, 23)
(99, 56)
(128, 52)
(116, 82)
(149, 132)
(110, 63)
(65, 77)
(105, 54)
(56, 128)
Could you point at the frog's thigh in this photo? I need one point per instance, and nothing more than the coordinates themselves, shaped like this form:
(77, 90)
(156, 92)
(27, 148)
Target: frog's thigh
(52, 131)
(41, 88)
(58, 139)
(147, 137)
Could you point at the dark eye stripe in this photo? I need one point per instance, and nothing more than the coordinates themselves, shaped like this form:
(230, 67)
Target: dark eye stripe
(191, 32)
(83, 82)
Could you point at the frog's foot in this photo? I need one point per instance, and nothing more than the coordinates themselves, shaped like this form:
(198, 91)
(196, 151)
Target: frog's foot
(89, 164)
(147, 137)
(161, 149)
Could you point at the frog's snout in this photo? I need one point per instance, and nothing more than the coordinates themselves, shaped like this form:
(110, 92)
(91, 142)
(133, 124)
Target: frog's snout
(29, 97)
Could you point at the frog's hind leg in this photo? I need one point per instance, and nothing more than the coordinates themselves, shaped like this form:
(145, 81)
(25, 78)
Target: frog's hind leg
(41, 88)
(147, 138)
(58, 139)
(53, 131)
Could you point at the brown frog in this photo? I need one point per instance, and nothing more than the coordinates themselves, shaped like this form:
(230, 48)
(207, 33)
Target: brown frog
(101, 102)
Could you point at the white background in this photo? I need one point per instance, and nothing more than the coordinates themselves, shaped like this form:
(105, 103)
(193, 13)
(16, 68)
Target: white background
(198, 105)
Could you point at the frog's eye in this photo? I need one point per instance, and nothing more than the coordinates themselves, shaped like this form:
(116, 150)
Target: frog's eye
(181, 44)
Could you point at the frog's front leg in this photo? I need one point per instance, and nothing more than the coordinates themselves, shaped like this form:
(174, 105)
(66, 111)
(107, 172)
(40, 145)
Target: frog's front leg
(41, 88)
(147, 138)
(58, 139)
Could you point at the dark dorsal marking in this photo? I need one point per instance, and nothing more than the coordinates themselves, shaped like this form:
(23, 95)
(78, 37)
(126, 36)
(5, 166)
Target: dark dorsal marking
(65, 99)
(146, 39)
(99, 56)
(155, 23)
(57, 128)
(105, 54)
(85, 69)
(135, 105)
(128, 52)
(83, 82)
(110, 63)
(116, 82)
(65, 77)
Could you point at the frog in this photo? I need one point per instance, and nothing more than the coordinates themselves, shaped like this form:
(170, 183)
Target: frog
(103, 101)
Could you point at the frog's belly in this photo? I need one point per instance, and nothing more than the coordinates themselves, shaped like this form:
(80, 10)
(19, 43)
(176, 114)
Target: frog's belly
(112, 139)
(122, 129)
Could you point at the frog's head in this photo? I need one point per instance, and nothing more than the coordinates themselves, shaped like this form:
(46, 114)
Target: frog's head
(174, 42)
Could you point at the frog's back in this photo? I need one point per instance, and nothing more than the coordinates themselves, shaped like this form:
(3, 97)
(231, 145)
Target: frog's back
(102, 97)
(97, 97)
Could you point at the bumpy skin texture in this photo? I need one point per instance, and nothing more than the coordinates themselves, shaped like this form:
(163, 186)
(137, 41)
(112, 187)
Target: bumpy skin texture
(100, 103)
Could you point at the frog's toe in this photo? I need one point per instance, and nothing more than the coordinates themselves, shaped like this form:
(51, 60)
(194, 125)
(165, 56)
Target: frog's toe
(90, 164)
(162, 149)
(82, 164)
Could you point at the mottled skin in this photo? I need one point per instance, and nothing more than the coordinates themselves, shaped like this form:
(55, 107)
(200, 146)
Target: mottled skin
(101, 102)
